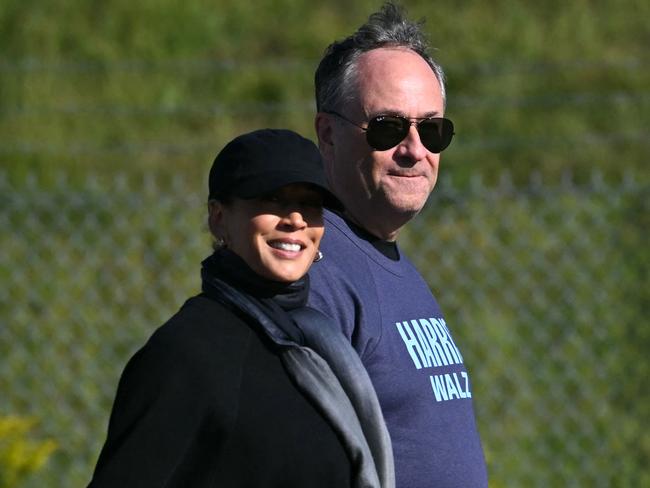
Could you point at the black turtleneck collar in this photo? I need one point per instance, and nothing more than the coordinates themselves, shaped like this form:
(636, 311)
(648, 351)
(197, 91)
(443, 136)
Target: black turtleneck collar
(229, 267)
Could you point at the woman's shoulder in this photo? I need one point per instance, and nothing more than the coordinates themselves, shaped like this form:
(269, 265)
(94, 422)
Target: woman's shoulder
(203, 315)
(204, 335)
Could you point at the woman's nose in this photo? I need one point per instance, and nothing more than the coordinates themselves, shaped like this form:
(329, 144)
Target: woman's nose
(296, 219)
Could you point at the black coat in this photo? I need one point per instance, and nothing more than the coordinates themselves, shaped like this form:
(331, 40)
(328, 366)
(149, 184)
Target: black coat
(207, 403)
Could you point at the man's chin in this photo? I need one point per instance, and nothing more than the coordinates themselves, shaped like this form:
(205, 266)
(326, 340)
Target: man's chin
(406, 206)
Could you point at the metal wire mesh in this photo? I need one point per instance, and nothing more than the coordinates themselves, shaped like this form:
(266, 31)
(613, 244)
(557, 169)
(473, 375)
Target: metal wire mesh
(544, 286)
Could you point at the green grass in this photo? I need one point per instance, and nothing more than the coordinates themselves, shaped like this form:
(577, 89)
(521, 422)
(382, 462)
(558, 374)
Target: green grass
(532, 85)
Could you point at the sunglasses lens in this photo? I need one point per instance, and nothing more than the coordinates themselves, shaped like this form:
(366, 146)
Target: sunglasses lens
(436, 133)
(385, 132)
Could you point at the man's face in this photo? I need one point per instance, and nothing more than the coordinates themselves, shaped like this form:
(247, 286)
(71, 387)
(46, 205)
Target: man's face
(383, 190)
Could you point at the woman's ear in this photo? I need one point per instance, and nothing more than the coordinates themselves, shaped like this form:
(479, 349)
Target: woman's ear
(215, 218)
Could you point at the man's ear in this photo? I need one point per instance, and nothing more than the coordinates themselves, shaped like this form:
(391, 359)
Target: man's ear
(323, 124)
(215, 218)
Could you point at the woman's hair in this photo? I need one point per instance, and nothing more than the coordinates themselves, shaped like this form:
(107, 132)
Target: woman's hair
(336, 75)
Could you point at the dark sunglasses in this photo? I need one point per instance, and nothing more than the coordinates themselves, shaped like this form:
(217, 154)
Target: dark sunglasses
(386, 131)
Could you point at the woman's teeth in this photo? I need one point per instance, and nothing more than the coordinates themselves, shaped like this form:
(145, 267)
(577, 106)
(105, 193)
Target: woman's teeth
(285, 246)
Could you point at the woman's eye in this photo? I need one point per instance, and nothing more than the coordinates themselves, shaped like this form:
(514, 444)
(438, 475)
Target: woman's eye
(313, 204)
(310, 203)
(270, 199)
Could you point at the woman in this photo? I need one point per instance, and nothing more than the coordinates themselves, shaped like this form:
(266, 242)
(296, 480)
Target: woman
(245, 386)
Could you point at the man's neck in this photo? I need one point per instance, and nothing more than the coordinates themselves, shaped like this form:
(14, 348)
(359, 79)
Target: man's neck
(383, 231)
(386, 247)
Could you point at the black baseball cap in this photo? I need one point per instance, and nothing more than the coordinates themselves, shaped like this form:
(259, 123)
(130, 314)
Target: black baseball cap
(260, 162)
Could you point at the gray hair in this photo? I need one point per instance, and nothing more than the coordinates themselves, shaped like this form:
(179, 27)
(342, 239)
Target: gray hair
(336, 75)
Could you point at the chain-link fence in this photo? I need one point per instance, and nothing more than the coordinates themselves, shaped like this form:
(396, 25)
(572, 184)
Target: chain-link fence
(544, 285)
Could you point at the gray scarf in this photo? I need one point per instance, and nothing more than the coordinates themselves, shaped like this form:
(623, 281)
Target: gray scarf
(324, 366)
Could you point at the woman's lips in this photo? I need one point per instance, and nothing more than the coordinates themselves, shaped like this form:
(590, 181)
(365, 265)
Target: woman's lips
(287, 245)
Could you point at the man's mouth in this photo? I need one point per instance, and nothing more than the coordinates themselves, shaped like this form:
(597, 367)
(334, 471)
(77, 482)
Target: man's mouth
(404, 175)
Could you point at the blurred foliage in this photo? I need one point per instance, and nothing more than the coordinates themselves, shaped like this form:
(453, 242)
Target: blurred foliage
(20, 455)
(547, 288)
(546, 86)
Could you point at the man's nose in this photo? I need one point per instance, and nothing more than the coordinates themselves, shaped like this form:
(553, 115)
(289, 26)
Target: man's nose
(411, 146)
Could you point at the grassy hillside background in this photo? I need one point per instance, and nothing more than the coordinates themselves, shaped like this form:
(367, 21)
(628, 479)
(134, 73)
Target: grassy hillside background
(111, 113)
(533, 86)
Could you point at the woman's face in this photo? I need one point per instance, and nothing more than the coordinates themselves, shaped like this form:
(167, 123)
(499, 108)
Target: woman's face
(277, 235)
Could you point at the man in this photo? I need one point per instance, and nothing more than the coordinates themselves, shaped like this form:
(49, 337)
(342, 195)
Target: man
(380, 127)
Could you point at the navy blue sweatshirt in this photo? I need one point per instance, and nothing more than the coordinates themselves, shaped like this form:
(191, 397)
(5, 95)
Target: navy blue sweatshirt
(387, 310)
